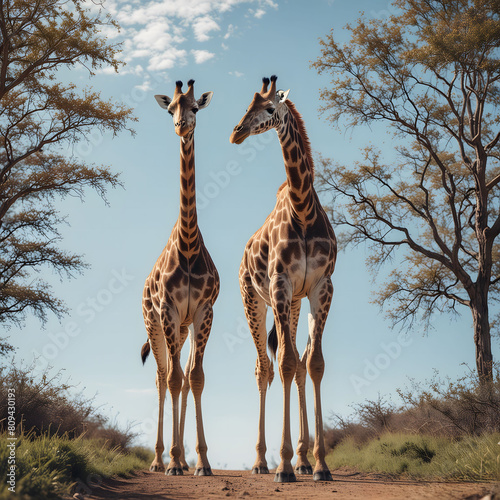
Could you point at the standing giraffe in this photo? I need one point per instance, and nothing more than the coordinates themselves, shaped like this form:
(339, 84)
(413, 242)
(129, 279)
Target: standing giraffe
(290, 257)
(181, 290)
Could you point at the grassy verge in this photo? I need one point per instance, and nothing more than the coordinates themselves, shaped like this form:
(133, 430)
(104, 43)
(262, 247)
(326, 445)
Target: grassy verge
(49, 467)
(471, 458)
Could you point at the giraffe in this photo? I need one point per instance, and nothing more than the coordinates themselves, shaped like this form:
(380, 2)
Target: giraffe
(290, 257)
(181, 290)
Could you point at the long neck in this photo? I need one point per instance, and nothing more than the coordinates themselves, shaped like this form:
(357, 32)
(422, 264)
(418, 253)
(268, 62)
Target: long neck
(298, 163)
(188, 221)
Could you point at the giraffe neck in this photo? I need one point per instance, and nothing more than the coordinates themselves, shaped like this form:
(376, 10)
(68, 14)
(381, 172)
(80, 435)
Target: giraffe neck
(298, 164)
(189, 243)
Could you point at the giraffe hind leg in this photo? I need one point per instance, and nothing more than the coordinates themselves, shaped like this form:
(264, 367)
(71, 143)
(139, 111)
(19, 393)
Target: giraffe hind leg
(172, 335)
(320, 300)
(202, 325)
(160, 353)
(280, 292)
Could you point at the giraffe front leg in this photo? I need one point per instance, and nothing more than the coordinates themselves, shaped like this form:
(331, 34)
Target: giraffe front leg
(174, 385)
(174, 381)
(255, 312)
(171, 330)
(320, 300)
(202, 325)
(184, 396)
(302, 466)
(261, 374)
(280, 292)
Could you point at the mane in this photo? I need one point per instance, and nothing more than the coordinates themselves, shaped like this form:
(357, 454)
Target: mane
(303, 133)
(281, 188)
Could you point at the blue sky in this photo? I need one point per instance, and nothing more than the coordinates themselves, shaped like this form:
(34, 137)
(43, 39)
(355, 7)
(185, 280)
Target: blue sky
(227, 46)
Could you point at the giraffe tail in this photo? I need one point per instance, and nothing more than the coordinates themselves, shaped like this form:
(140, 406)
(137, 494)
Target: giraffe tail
(146, 349)
(272, 341)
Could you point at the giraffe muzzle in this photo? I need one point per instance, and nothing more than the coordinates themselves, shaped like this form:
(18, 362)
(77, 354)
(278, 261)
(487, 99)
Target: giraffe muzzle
(182, 128)
(239, 135)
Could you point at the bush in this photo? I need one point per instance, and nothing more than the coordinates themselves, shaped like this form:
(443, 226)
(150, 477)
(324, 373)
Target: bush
(370, 419)
(345, 428)
(415, 451)
(443, 429)
(44, 403)
(438, 408)
(47, 405)
(451, 408)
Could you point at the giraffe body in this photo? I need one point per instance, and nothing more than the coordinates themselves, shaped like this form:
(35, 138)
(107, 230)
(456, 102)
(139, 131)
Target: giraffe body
(180, 291)
(282, 246)
(290, 257)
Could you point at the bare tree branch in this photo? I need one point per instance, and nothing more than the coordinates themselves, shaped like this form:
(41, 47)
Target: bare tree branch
(431, 73)
(36, 115)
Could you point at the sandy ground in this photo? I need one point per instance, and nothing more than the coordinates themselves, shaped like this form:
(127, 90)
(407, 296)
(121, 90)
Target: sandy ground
(242, 484)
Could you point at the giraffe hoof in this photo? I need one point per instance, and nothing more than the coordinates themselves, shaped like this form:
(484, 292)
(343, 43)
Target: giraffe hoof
(285, 477)
(304, 469)
(174, 471)
(260, 470)
(322, 475)
(203, 471)
(157, 468)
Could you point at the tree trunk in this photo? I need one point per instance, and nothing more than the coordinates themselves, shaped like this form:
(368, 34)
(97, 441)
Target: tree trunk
(482, 336)
(479, 302)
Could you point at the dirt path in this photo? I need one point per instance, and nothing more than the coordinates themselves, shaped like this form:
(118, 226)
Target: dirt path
(242, 484)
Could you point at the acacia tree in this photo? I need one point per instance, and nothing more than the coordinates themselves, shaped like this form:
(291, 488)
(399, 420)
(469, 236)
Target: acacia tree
(41, 119)
(430, 72)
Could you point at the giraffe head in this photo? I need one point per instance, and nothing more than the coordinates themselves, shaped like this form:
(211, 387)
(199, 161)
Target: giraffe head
(183, 107)
(266, 111)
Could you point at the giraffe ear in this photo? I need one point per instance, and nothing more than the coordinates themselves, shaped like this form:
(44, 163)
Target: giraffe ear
(163, 101)
(283, 95)
(204, 100)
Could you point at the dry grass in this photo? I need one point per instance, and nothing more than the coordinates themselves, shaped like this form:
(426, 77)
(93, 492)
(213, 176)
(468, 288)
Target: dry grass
(473, 458)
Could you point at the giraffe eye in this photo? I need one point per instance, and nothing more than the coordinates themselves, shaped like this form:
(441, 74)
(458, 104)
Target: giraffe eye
(270, 110)
(170, 112)
(195, 110)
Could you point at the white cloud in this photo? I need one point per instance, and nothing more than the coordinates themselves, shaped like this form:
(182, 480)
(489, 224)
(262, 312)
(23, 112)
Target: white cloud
(108, 70)
(146, 85)
(201, 56)
(237, 74)
(167, 60)
(230, 31)
(155, 38)
(155, 33)
(203, 26)
(110, 32)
